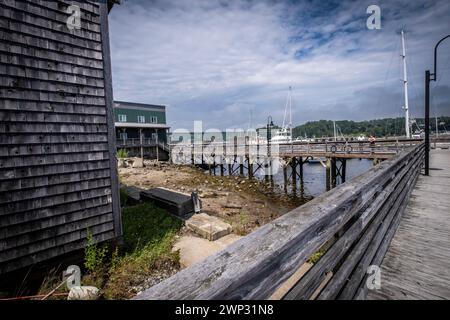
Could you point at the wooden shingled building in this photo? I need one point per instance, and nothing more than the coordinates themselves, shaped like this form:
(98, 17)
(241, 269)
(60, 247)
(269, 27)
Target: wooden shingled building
(58, 172)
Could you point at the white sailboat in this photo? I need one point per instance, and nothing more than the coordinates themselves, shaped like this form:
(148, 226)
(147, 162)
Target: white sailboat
(284, 135)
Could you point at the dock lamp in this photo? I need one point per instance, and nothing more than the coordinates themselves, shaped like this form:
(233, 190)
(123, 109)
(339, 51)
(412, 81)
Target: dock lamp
(428, 78)
(268, 133)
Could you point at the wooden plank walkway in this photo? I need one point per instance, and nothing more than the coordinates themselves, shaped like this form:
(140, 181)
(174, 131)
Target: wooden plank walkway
(417, 264)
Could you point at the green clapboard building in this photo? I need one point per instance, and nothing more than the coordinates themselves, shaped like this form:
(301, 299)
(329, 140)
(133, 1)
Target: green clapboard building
(141, 129)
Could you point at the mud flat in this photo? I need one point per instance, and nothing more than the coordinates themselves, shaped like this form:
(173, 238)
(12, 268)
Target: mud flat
(244, 203)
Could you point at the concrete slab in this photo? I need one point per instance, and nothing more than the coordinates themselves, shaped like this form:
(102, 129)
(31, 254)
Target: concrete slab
(208, 227)
(194, 249)
(138, 163)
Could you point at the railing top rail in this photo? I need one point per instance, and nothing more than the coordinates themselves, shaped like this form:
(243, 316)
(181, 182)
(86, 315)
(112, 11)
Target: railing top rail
(256, 265)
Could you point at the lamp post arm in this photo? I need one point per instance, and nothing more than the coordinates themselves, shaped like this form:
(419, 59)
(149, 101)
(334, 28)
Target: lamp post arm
(435, 57)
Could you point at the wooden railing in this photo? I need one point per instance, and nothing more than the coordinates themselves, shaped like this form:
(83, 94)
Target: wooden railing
(355, 222)
(136, 142)
(339, 147)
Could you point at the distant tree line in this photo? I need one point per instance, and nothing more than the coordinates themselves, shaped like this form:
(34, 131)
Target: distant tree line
(378, 128)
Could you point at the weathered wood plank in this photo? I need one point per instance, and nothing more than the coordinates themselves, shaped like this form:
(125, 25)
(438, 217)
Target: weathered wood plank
(47, 107)
(29, 35)
(14, 230)
(52, 180)
(50, 171)
(416, 264)
(19, 72)
(56, 230)
(56, 165)
(27, 83)
(360, 250)
(52, 252)
(48, 65)
(378, 208)
(52, 15)
(36, 52)
(27, 17)
(382, 238)
(40, 215)
(46, 150)
(51, 138)
(53, 117)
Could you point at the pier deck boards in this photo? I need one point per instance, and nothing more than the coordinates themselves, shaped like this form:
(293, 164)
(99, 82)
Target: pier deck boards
(417, 263)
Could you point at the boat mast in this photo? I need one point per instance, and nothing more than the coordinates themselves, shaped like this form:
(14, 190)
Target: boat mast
(334, 129)
(290, 111)
(405, 84)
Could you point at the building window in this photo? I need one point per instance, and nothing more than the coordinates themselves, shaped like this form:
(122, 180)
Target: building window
(141, 119)
(122, 118)
(154, 119)
(123, 135)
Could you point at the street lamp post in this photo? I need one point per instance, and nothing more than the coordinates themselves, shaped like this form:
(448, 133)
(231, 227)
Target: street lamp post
(428, 78)
(269, 136)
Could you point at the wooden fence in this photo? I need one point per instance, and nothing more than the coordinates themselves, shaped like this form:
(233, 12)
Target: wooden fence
(355, 222)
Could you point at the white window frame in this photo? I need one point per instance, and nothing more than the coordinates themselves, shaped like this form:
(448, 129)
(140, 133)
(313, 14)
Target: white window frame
(141, 119)
(154, 119)
(123, 135)
(122, 117)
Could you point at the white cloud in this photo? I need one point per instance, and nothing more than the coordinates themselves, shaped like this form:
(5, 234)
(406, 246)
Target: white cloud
(215, 60)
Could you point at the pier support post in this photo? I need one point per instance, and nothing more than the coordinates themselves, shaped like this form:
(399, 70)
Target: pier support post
(221, 169)
(294, 172)
(142, 144)
(230, 169)
(157, 146)
(300, 162)
(250, 168)
(343, 169)
(328, 174)
(333, 172)
(285, 177)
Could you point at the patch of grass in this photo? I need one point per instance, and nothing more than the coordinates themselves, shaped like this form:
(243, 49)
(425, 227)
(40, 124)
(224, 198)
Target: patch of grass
(121, 153)
(124, 199)
(148, 233)
(316, 256)
(51, 281)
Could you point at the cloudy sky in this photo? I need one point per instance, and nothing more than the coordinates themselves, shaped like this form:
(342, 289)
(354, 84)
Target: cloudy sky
(220, 61)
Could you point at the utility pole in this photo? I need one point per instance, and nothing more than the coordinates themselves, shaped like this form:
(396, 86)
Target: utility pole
(405, 84)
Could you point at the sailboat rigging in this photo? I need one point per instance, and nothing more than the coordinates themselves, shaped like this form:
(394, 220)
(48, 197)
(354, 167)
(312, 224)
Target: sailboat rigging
(284, 135)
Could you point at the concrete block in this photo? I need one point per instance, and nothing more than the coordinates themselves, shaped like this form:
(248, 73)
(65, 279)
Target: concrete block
(208, 227)
(138, 163)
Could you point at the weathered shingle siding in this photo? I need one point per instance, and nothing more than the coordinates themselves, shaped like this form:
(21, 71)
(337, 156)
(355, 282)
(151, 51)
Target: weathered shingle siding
(58, 173)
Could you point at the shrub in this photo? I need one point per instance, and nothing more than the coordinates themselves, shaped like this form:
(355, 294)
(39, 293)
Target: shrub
(122, 153)
(94, 255)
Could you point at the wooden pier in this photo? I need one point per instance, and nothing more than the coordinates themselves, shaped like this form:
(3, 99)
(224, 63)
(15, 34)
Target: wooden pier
(417, 263)
(243, 158)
